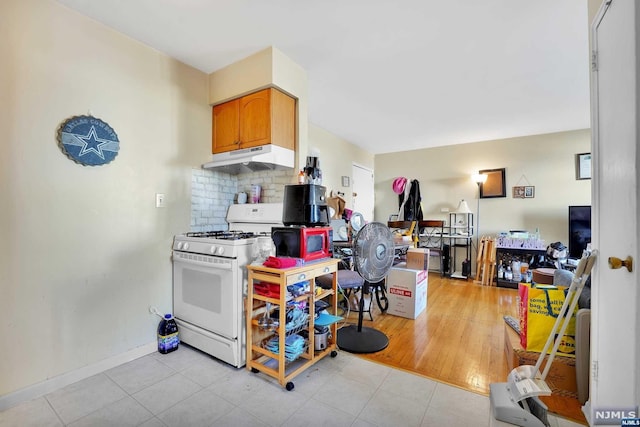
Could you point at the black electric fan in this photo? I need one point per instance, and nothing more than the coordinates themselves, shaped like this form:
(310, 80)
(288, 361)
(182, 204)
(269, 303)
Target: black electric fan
(373, 254)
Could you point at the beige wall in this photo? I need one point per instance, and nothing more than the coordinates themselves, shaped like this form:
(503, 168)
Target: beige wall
(544, 161)
(85, 252)
(336, 160)
(593, 6)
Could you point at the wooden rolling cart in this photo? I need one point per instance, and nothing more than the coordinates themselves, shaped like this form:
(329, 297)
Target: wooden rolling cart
(258, 307)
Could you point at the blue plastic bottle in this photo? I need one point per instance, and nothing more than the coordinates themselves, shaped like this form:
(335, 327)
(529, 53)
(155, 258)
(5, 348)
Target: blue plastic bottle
(168, 338)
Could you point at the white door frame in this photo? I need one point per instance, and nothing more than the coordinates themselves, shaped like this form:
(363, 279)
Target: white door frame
(615, 345)
(369, 216)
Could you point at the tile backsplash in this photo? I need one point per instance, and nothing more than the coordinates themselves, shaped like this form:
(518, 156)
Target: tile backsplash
(272, 183)
(212, 192)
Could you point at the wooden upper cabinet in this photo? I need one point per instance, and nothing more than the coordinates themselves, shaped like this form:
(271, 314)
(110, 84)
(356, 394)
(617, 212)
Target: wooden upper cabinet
(260, 118)
(226, 133)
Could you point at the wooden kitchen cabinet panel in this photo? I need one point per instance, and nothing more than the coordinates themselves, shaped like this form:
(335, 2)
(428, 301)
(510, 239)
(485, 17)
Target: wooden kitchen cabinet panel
(226, 133)
(260, 118)
(255, 119)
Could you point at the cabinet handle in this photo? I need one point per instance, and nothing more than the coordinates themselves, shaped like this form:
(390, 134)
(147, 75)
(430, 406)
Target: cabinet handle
(302, 276)
(326, 269)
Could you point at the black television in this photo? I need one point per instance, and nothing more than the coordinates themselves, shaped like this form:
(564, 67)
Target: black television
(579, 230)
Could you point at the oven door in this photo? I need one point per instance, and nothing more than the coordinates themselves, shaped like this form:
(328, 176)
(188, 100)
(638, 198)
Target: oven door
(207, 292)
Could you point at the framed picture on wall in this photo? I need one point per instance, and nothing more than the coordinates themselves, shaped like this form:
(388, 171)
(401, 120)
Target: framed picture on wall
(494, 186)
(529, 192)
(583, 166)
(518, 192)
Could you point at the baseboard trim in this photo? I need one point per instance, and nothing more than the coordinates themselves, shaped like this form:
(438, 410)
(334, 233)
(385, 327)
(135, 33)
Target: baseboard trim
(586, 410)
(40, 389)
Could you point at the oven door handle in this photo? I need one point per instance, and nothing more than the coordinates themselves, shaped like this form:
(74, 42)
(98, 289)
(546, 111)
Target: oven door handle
(202, 260)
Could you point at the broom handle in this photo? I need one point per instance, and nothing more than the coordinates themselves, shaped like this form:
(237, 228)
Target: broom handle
(560, 318)
(565, 324)
(577, 284)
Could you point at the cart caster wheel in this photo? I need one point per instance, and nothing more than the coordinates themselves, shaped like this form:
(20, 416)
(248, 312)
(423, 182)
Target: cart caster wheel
(334, 353)
(289, 386)
(254, 370)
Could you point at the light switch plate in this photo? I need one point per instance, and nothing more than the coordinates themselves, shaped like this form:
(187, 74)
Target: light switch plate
(159, 200)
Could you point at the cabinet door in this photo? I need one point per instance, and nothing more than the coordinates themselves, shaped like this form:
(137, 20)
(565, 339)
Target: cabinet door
(226, 119)
(283, 120)
(255, 119)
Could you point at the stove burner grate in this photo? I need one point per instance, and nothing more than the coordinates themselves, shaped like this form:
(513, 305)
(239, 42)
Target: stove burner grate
(225, 235)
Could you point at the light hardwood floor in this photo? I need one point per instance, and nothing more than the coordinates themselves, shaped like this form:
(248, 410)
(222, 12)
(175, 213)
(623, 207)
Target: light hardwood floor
(458, 340)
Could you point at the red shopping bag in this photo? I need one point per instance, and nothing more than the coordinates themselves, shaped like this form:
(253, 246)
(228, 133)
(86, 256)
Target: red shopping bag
(540, 306)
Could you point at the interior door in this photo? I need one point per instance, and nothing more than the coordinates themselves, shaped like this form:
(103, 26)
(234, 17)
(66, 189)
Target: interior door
(615, 340)
(363, 194)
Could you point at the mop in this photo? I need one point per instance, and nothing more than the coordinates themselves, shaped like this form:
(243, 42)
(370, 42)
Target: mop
(516, 401)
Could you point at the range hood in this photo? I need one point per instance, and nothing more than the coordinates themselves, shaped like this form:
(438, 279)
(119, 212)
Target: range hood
(254, 159)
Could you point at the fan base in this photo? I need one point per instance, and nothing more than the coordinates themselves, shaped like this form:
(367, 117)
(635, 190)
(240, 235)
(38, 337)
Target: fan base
(368, 340)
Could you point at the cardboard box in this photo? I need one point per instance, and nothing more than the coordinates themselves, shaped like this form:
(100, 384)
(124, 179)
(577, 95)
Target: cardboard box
(562, 375)
(407, 291)
(418, 259)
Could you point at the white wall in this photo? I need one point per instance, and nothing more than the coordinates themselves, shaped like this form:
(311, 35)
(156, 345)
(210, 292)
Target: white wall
(544, 161)
(85, 251)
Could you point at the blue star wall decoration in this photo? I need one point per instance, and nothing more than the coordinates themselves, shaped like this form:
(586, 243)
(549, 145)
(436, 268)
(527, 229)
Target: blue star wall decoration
(88, 140)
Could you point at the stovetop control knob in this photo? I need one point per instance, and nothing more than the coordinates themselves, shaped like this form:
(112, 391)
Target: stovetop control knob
(185, 246)
(217, 250)
(179, 245)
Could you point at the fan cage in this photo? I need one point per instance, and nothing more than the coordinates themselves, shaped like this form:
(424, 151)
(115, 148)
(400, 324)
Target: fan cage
(373, 251)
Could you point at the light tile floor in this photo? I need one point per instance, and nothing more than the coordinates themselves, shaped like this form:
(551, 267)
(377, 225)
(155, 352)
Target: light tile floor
(189, 388)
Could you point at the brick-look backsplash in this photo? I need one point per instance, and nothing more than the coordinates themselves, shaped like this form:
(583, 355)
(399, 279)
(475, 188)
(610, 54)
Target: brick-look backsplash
(212, 192)
(272, 183)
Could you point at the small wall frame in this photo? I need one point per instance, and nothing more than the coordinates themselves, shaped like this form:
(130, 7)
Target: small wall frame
(494, 186)
(529, 192)
(518, 192)
(583, 166)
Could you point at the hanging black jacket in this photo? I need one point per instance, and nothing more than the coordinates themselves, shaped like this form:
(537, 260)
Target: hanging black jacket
(412, 210)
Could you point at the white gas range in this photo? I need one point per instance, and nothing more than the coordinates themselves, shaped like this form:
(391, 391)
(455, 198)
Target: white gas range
(210, 280)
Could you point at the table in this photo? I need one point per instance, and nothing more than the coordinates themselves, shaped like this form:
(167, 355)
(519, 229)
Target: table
(516, 254)
(259, 357)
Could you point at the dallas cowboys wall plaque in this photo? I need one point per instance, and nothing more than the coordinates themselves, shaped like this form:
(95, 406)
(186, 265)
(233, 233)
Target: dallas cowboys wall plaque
(88, 140)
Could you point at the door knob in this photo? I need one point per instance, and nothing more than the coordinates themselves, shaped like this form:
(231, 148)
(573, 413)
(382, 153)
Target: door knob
(616, 263)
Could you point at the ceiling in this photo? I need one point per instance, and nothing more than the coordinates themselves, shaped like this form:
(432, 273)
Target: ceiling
(392, 76)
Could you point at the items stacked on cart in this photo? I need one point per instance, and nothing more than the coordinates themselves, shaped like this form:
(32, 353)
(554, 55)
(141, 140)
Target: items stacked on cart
(295, 345)
(283, 344)
(297, 317)
(272, 290)
(297, 321)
